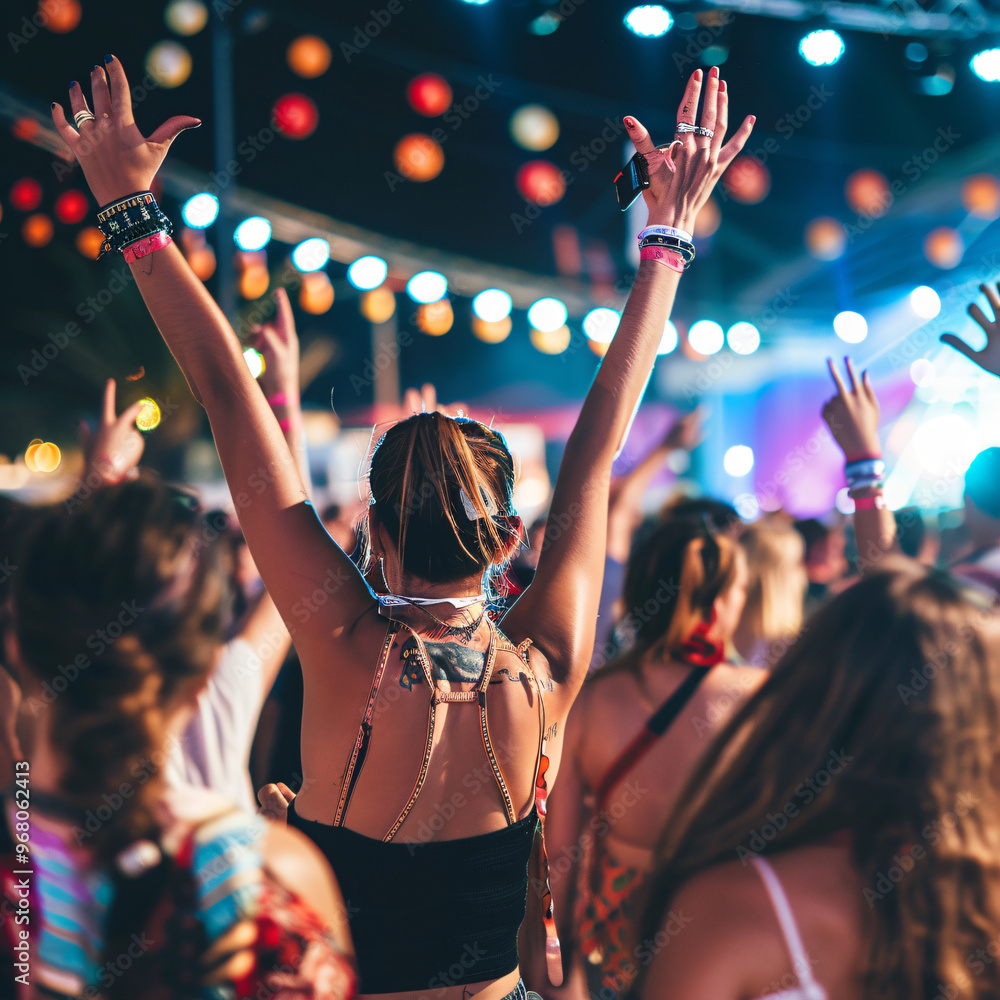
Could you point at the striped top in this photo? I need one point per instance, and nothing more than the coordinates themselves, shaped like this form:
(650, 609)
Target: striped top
(75, 901)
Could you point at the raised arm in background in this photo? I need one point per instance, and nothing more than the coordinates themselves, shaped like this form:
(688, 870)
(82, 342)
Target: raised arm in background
(559, 609)
(989, 357)
(293, 552)
(852, 416)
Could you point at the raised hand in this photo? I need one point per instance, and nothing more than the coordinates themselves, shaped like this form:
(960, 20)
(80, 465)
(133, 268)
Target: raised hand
(274, 800)
(116, 159)
(852, 414)
(278, 344)
(112, 453)
(989, 357)
(686, 433)
(683, 175)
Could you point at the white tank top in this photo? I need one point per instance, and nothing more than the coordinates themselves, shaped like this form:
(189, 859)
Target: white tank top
(808, 988)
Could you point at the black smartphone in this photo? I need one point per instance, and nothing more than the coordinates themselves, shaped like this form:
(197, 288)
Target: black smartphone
(630, 183)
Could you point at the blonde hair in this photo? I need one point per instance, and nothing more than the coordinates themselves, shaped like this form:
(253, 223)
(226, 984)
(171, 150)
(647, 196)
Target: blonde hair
(777, 580)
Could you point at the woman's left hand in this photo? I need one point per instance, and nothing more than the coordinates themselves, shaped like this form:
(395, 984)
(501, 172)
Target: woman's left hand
(116, 159)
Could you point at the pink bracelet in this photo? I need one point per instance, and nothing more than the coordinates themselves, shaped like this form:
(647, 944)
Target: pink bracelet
(278, 399)
(668, 257)
(876, 502)
(285, 424)
(867, 456)
(146, 246)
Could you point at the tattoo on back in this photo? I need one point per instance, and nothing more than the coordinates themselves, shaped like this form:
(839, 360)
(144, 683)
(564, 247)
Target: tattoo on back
(450, 661)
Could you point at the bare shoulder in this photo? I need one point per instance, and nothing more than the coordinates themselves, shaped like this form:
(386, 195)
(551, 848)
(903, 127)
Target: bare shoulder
(737, 681)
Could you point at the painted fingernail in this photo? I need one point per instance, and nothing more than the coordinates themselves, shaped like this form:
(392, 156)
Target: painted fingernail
(53, 104)
(108, 57)
(753, 119)
(629, 123)
(722, 86)
(96, 66)
(72, 84)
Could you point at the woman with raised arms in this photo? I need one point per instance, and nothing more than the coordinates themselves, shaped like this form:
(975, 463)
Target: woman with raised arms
(424, 800)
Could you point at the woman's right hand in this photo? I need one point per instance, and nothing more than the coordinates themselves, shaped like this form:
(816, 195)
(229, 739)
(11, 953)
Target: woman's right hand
(274, 800)
(989, 357)
(852, 414)
(682, 176)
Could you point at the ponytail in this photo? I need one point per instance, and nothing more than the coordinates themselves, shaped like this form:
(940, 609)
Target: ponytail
(443, 489)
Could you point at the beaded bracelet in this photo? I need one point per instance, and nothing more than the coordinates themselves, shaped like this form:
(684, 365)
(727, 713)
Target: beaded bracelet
(130, 219)
(682, 247)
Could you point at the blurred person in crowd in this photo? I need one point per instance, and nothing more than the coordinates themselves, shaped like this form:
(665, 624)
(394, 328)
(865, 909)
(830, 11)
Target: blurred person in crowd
(625, 515)
(638, 727)
(441, 525)
(219, 899)
(826, 562)
(840, 839)
(916, 539)
(776, 590)
(979, 559)
(721, 517)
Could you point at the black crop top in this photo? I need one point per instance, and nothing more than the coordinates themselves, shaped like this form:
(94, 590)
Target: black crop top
(426, 916)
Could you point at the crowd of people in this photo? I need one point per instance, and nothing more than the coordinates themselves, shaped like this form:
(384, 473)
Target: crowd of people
(617, 754)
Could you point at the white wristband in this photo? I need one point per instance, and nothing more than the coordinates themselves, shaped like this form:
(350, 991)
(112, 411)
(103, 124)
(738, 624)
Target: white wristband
(679, 234)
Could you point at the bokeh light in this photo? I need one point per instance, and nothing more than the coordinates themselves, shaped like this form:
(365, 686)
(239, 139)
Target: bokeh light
(316, 294)
(492, 305)
(534, 127)
(708, 220)
(826, 238)
(202, 261)
(550, 341)
(88, 241)
(200, 210)
(867, 192)
(986, 65)
(922, 372)
(186, 17)
(367, 272)
(649, 20)
(253, 233)
(747, 180)
(296, 116)
(378, 305)
(600, 325)
(254, 360)
(311, 255)
(254, 282)
(547, 315)
(169, 64)
(706, 337)
(25, 129)
(149, 414)
(944, 247)
(59, 16)
(850, 326)
(25, 194)
(743, 338)
(37, 230)
(418, 157)
(946, 445)
(47, 457)
(738, 460)
(427, 286)
(981, 196)
(669, 340)
(822, 48)
(540, 182)
(435, 318)
(308, 56)
(71, 207)
(429, 94)
(925, 302)
(492, 331)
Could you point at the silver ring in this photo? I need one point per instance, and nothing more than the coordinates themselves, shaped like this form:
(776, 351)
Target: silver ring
(83, 116)
(707, 132)
(683, 127)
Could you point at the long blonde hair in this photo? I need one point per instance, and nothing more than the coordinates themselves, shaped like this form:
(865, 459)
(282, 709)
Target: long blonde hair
(777, 580)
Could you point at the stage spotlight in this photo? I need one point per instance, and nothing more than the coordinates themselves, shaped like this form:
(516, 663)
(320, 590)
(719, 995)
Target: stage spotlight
(547, 315)
(186, 17)
(649, 21)
(986, 65)
(550, 341)
(476, 3)
(427, 286)
(429, 94)
(200, 210)
(851, 327)
(821, 48)
(378, 305)
(925, 302)
(826, 238)
(308, 56)
(946, 445)
(296, 116)
(706, 337)
(944, 247)
(492, 305)
(600, 325)
(669, 340)
(435, 318)
(311, 255)
(418, 157)
(545, 23)
(253, 233)
(980, 196)
(367, 273)
(37, 230)
(540, 182)
(738, 460)
(743, 338)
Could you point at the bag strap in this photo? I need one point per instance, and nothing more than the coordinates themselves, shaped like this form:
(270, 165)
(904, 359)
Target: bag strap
(655, 727)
